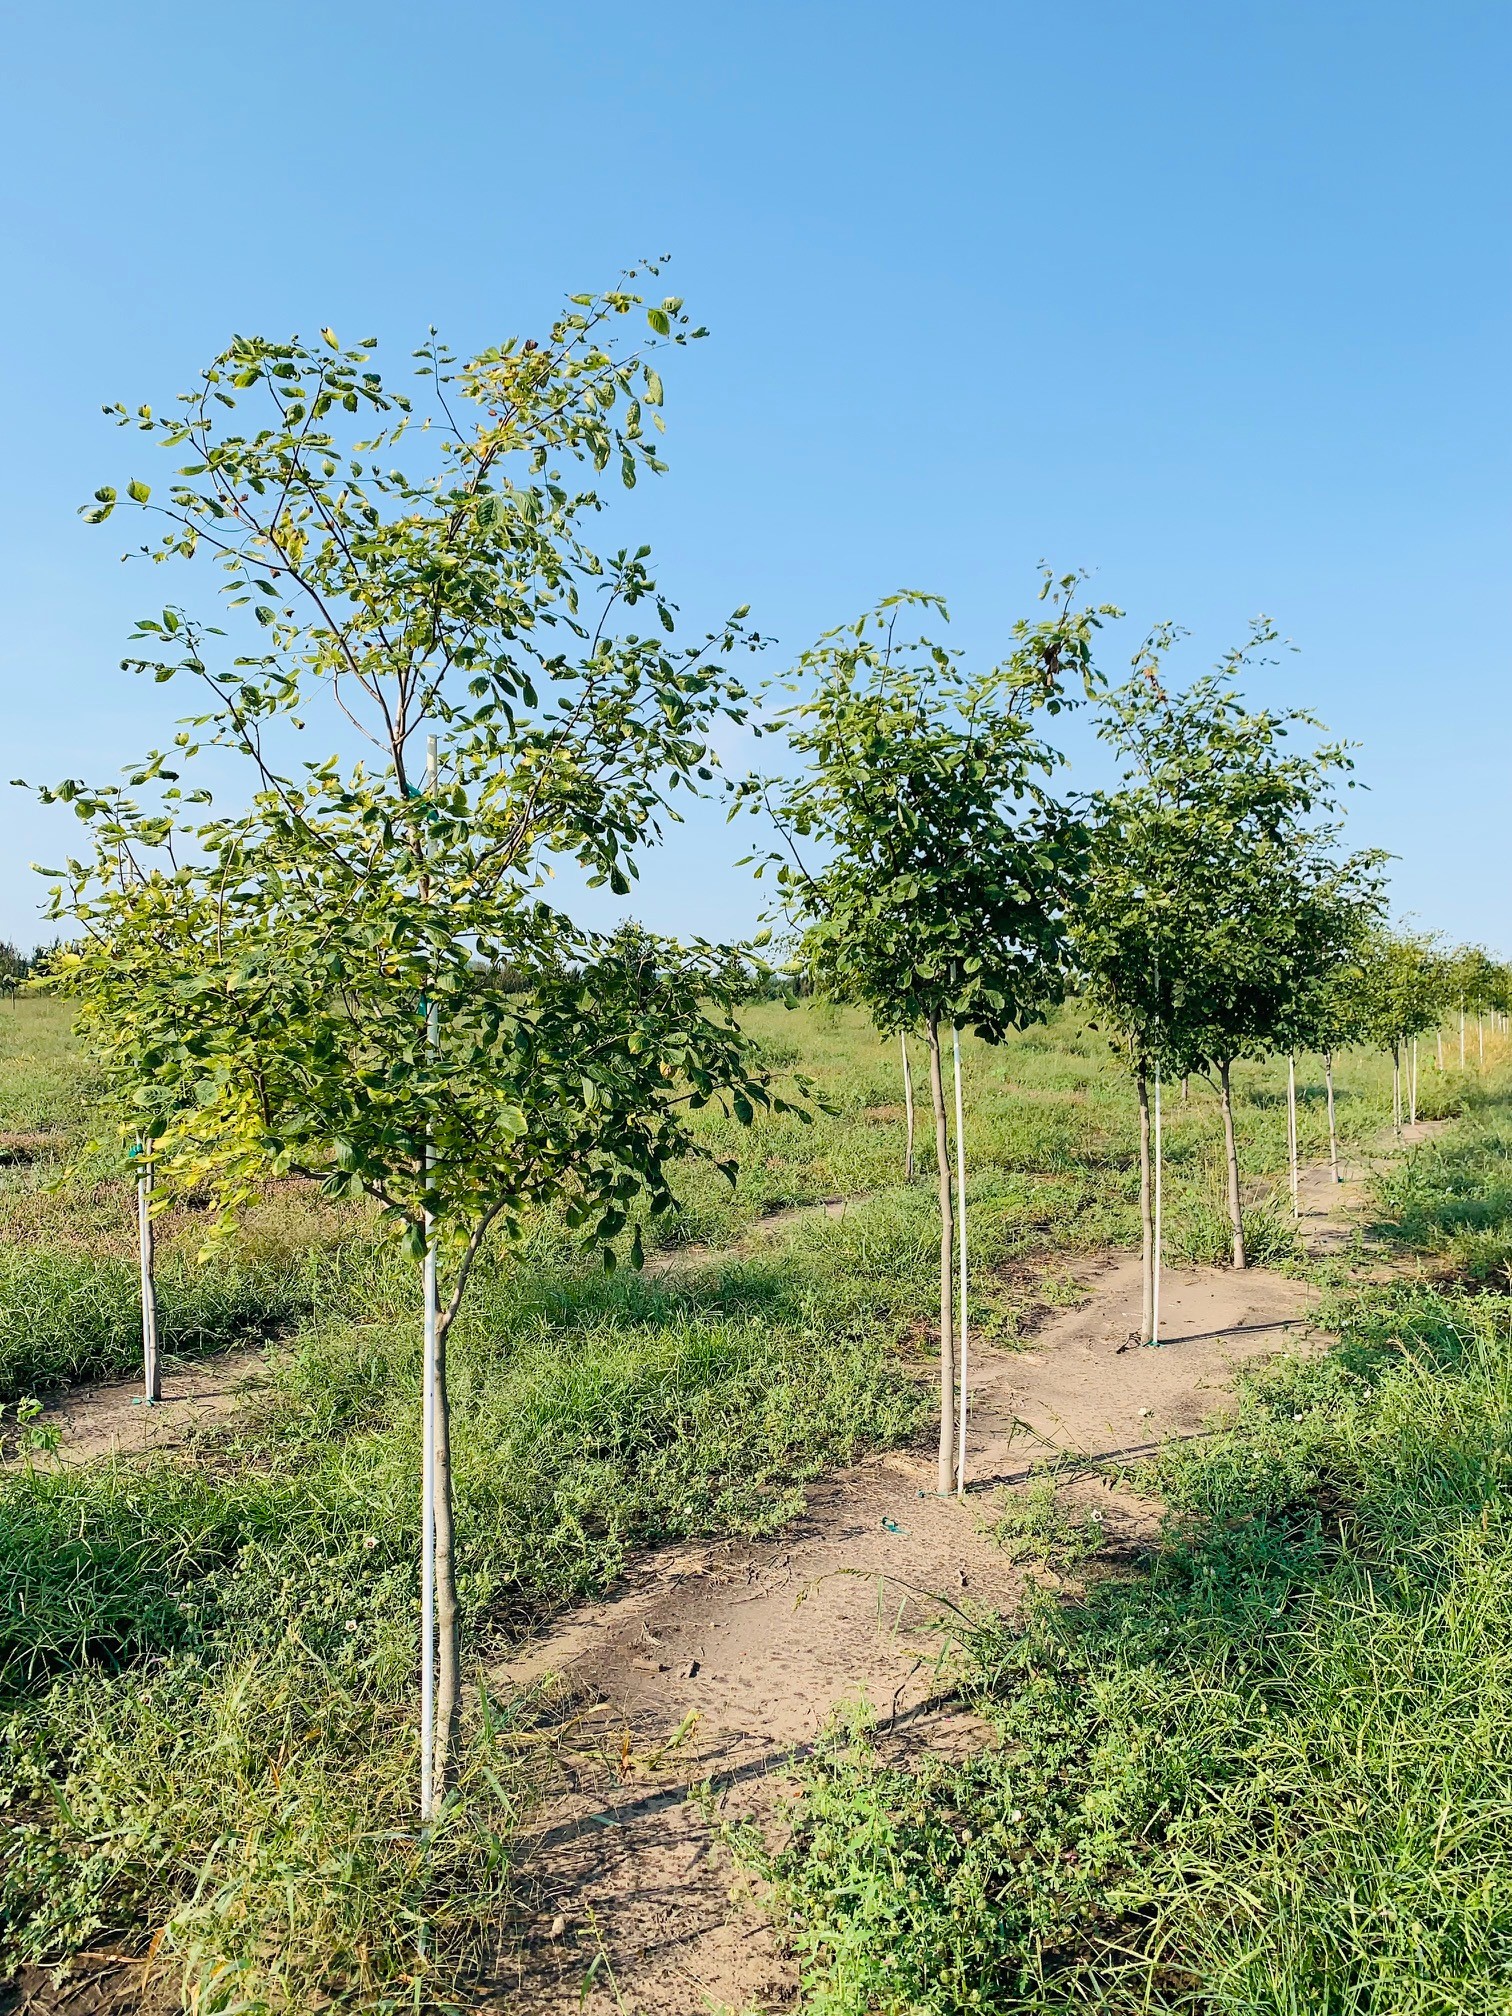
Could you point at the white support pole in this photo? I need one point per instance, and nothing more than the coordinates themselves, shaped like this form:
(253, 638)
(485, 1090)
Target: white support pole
(1156, 1277)
(1291, 1131)
(152, 1369)
(955, 1042)
(1412, 1109)
(428, 1459)
(1333, 1131)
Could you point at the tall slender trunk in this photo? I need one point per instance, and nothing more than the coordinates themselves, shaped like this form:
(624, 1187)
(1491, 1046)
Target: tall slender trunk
(448, 1611)
(1291, 1132)
(1155, 1228)
(152, 1367)
(1480, 1035)
(947, 1255)
(1186, 1088)
(1333, 1132)
(1412, 1082)
(1439, 1040)
(1231, 1153)
(440, 1611)
(908, 1108)
(960, 1120)
(1462, 1035)
(1146, 1215)
(1396, 1090)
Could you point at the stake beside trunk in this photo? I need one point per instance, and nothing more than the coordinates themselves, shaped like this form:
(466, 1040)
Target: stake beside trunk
(1155, 1229)
(908, 1108)
(1231, 1154)
(947, 1255)
(955, 1047)
(1333, 1132)
(152, 1369)
(440, 1615)
(1291, 1132)
(1396, 1090)
(1146, 1213)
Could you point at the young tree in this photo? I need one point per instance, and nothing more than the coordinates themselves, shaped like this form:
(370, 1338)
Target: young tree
(1130, 935)
(923, 858)
(303, 982)
(1321, 1015)
(1227, 856)
(1393, 992)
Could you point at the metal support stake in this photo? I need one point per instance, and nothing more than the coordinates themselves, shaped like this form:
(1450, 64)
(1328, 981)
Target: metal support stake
(955, 1039)
(428, 1437)
(152, 1369)
(1156, 1285)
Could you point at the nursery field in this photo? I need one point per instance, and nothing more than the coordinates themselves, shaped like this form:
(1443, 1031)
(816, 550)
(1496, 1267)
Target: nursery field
(1266, 1769)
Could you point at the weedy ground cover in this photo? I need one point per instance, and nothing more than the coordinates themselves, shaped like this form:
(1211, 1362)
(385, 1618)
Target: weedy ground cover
(1269, 1770)
(206, 1663)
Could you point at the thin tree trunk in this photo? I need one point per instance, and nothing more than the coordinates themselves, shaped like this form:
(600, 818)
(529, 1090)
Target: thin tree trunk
(1462, 1035)
(1155, 1216)
(908, 1108)
(1146, 1216)
(960, 1120)
(448, 1612)
(1480, 1034)
(1231, 1152)
(1291, 1131)
(1439, 1039)
(1396, 1090)
(440, 1614)
(1412, 1081)
(152, 1367)
(947, 1255)
(1333, 1132)
(1186, 1089)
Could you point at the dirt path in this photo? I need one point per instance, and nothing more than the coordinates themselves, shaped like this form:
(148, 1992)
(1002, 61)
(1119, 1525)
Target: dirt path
(113, 1419)
(716, 1663)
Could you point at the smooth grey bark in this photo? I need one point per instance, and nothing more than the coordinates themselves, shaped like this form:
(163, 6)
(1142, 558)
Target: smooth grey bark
(908, 1108)
(152, 1364)
(448, 1611)
(1291, 1131)
(1396, 1089)
(947, 1256)
(1146, 1213)
(1333, 1132)
(1231, 1156)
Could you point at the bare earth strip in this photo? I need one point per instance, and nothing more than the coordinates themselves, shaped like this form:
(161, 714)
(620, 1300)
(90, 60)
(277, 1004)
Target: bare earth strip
(716, 1665)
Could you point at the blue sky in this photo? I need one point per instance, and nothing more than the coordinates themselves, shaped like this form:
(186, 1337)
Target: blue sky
(1211, 298)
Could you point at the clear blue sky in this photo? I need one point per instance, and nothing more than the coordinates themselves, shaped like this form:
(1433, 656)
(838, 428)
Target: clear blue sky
(1211, 296)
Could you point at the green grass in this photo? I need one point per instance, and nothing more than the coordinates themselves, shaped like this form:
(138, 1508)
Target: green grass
(1270, 1770)
(206, 1662)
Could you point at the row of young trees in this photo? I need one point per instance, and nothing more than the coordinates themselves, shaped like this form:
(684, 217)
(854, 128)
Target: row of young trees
(1203, 908)
(358, 971)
